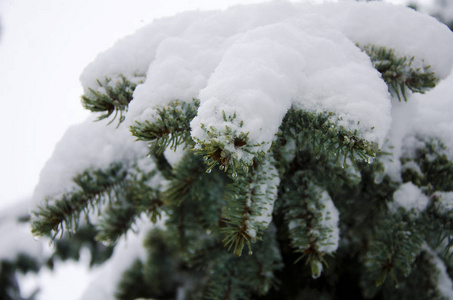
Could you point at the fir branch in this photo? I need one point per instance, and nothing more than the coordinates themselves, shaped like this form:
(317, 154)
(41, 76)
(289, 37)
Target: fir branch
(157, 276)
(399, 73)
(132, 284)
(223, 146)
(9, 268)
(310, 231)
(94, 187)
(395, 245)
(135, 198)
(321, 133)
(185, 184)
(170, 127)
(162, 164)
(194, 199)
(111, 97)
(70, 245)
(429, 276)
(264, 263)
(225, 283)
(433, 169)
(232, 277)
(162, 264)
(437, 223)
(250, 204)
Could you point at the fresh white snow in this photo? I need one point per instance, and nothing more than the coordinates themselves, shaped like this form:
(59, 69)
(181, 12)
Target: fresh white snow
(265, 190)
(270, 57)
(330, 218)
(15, 236)
(444, 285)
(87, 145)
(410, 197)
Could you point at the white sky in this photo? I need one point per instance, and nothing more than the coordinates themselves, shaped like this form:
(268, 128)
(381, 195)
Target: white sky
(44, 46)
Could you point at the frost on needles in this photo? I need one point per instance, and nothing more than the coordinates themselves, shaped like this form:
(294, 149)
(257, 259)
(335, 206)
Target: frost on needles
(270, 130)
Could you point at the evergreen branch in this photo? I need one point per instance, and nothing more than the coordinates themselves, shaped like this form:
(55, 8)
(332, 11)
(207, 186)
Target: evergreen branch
(223, 146)
(399, 73)
(425, 282)
(232, 277)
(262, 265)
(156, 277)
(111, 97)
(250, 205)
(56, 215)
(20, 262)
(132, 284)
(225, 284)
(170, 127)
(162, 164)
(429, 275)
(194, 199)
(185, 184)
(135, 198)
(394, 248)
(308, 214)
(69, 247)
(318, 132)
(437, 220)
(433, 170)
(162, 264)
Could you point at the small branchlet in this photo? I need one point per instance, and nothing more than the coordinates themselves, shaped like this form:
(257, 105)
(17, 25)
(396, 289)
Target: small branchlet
(134, 199)
(250, 205)
(321, 133)
(94, 188)
(69, 247)
(170, 127)
(223, 147)
(437, 223)
(430, 168)
(399, 72)
(393, 249)
(194, 201)
(309, 221)
(232, 277)
(112, 96)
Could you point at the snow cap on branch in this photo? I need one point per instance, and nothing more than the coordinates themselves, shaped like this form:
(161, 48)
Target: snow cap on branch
(273, 56)
(409, 197)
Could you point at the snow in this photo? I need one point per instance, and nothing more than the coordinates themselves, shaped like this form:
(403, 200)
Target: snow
(371, 23)
(329, 219)
(317, 268)
(136, 51)
(409, 197)
(434, 114)
(59, 281)
(423, 117)
(444, 201)
(87, 145)
(401, 130)
(256, 61)
(128, 249)
(15, 236)
(265, 192)
(444, 284)
(328, 216)
(272, 67)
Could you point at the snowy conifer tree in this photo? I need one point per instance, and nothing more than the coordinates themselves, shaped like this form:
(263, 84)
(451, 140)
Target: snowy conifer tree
(273, 151)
